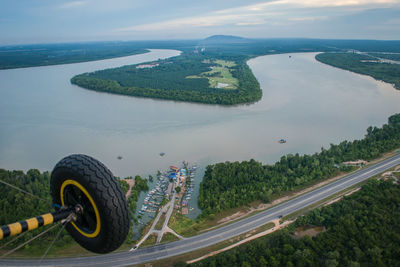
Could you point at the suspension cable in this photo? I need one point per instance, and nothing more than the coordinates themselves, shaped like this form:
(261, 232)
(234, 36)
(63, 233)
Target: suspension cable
(24, 191)
(64, 222)
(30, 240)
(12, 240)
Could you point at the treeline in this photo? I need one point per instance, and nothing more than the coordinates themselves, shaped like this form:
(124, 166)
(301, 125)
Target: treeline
(362, 64)
(16, 206)
(233, 184)
(168, 81)
(170, 74)
(391, 56)
(361, 230)
(23, 56)
(140, 185)
(18, 56)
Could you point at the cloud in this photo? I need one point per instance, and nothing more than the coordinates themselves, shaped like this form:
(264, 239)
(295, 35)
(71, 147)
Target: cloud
(72, 4)
(270, 12)
(249, 23)
(305, 18)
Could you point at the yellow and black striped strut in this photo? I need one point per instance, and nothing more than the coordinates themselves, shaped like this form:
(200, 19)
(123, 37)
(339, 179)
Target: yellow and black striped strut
(33, 223)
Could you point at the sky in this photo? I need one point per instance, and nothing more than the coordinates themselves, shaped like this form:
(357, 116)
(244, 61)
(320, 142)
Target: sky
(48, 21)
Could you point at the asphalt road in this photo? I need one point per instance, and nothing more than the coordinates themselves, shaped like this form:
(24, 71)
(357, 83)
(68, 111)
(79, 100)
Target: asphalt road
(217, 235)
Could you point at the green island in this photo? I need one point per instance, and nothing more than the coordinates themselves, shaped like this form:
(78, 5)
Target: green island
(214, 70)
(360, 230)
(366, 63)
(189, 77)
(233, 184)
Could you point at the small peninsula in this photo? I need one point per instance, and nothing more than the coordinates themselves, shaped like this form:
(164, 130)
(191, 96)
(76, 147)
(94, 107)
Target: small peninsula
(380, 66)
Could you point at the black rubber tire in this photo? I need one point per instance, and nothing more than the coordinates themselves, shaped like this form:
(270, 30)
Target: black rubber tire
(107, 195)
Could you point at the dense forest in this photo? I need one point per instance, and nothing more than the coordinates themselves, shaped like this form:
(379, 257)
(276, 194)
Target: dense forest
(391, 56)
(168, 80)
(16, 205)
(53, 54)
(19, 56)
(363, 64)
(140, 185)
(233, 184)
(361, 230)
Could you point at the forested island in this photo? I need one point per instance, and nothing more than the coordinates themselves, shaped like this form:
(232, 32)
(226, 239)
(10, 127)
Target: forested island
(370, 64)
(183, 78)
(233, 184)
(198, 74)
(360, 230)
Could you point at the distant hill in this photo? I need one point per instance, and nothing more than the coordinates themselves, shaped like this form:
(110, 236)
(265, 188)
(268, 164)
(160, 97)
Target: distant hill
(224, 39)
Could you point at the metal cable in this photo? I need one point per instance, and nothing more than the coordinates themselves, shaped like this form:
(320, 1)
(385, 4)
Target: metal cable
(24, 191)
(64, 222)
(14, 239)
(30, 240)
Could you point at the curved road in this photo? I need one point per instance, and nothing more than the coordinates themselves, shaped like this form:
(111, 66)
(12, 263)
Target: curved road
(217, 235)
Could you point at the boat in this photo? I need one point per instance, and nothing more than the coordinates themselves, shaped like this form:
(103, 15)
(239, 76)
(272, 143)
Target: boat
(282, 141)
(119, 157)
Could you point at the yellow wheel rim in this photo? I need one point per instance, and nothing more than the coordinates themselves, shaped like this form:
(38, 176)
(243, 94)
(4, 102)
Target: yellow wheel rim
(96, 211)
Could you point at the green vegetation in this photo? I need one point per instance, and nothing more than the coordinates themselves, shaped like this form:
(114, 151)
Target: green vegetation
(124, 185)
(19, 56)
(160, 222)
(53, 54)
(150, 241)
(219, 76)
(168, 237)
(183, 225)
(363, 64)
(168, 79)
(17, 206)
(391, 56)
(361, 230)
(140, 185)
(188, 77)
(233, 184)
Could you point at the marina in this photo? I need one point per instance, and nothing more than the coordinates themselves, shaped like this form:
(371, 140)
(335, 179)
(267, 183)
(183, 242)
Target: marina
(164, 186)
(166, 183)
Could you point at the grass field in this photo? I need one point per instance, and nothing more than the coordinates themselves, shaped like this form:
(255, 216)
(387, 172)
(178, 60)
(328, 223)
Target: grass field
(168, 237)
(220, 75)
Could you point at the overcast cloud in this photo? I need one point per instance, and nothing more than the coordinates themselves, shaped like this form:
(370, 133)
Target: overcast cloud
(34, 21)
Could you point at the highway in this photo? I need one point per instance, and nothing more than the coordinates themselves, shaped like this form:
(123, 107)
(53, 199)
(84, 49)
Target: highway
(154, 253)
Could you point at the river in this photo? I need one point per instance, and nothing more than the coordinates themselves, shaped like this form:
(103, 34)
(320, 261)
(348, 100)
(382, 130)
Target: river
(44, 118)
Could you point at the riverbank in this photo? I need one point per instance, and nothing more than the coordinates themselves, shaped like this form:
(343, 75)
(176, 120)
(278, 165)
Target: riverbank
(365, 64)
(25, 56)
(187, 227)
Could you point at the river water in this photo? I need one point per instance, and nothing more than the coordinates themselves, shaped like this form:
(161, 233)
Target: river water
(44, 118)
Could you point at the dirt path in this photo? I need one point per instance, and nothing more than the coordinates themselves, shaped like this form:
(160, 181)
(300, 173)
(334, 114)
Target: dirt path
(277, 227)
(341, 197)
(131, 183)
(240, 214)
